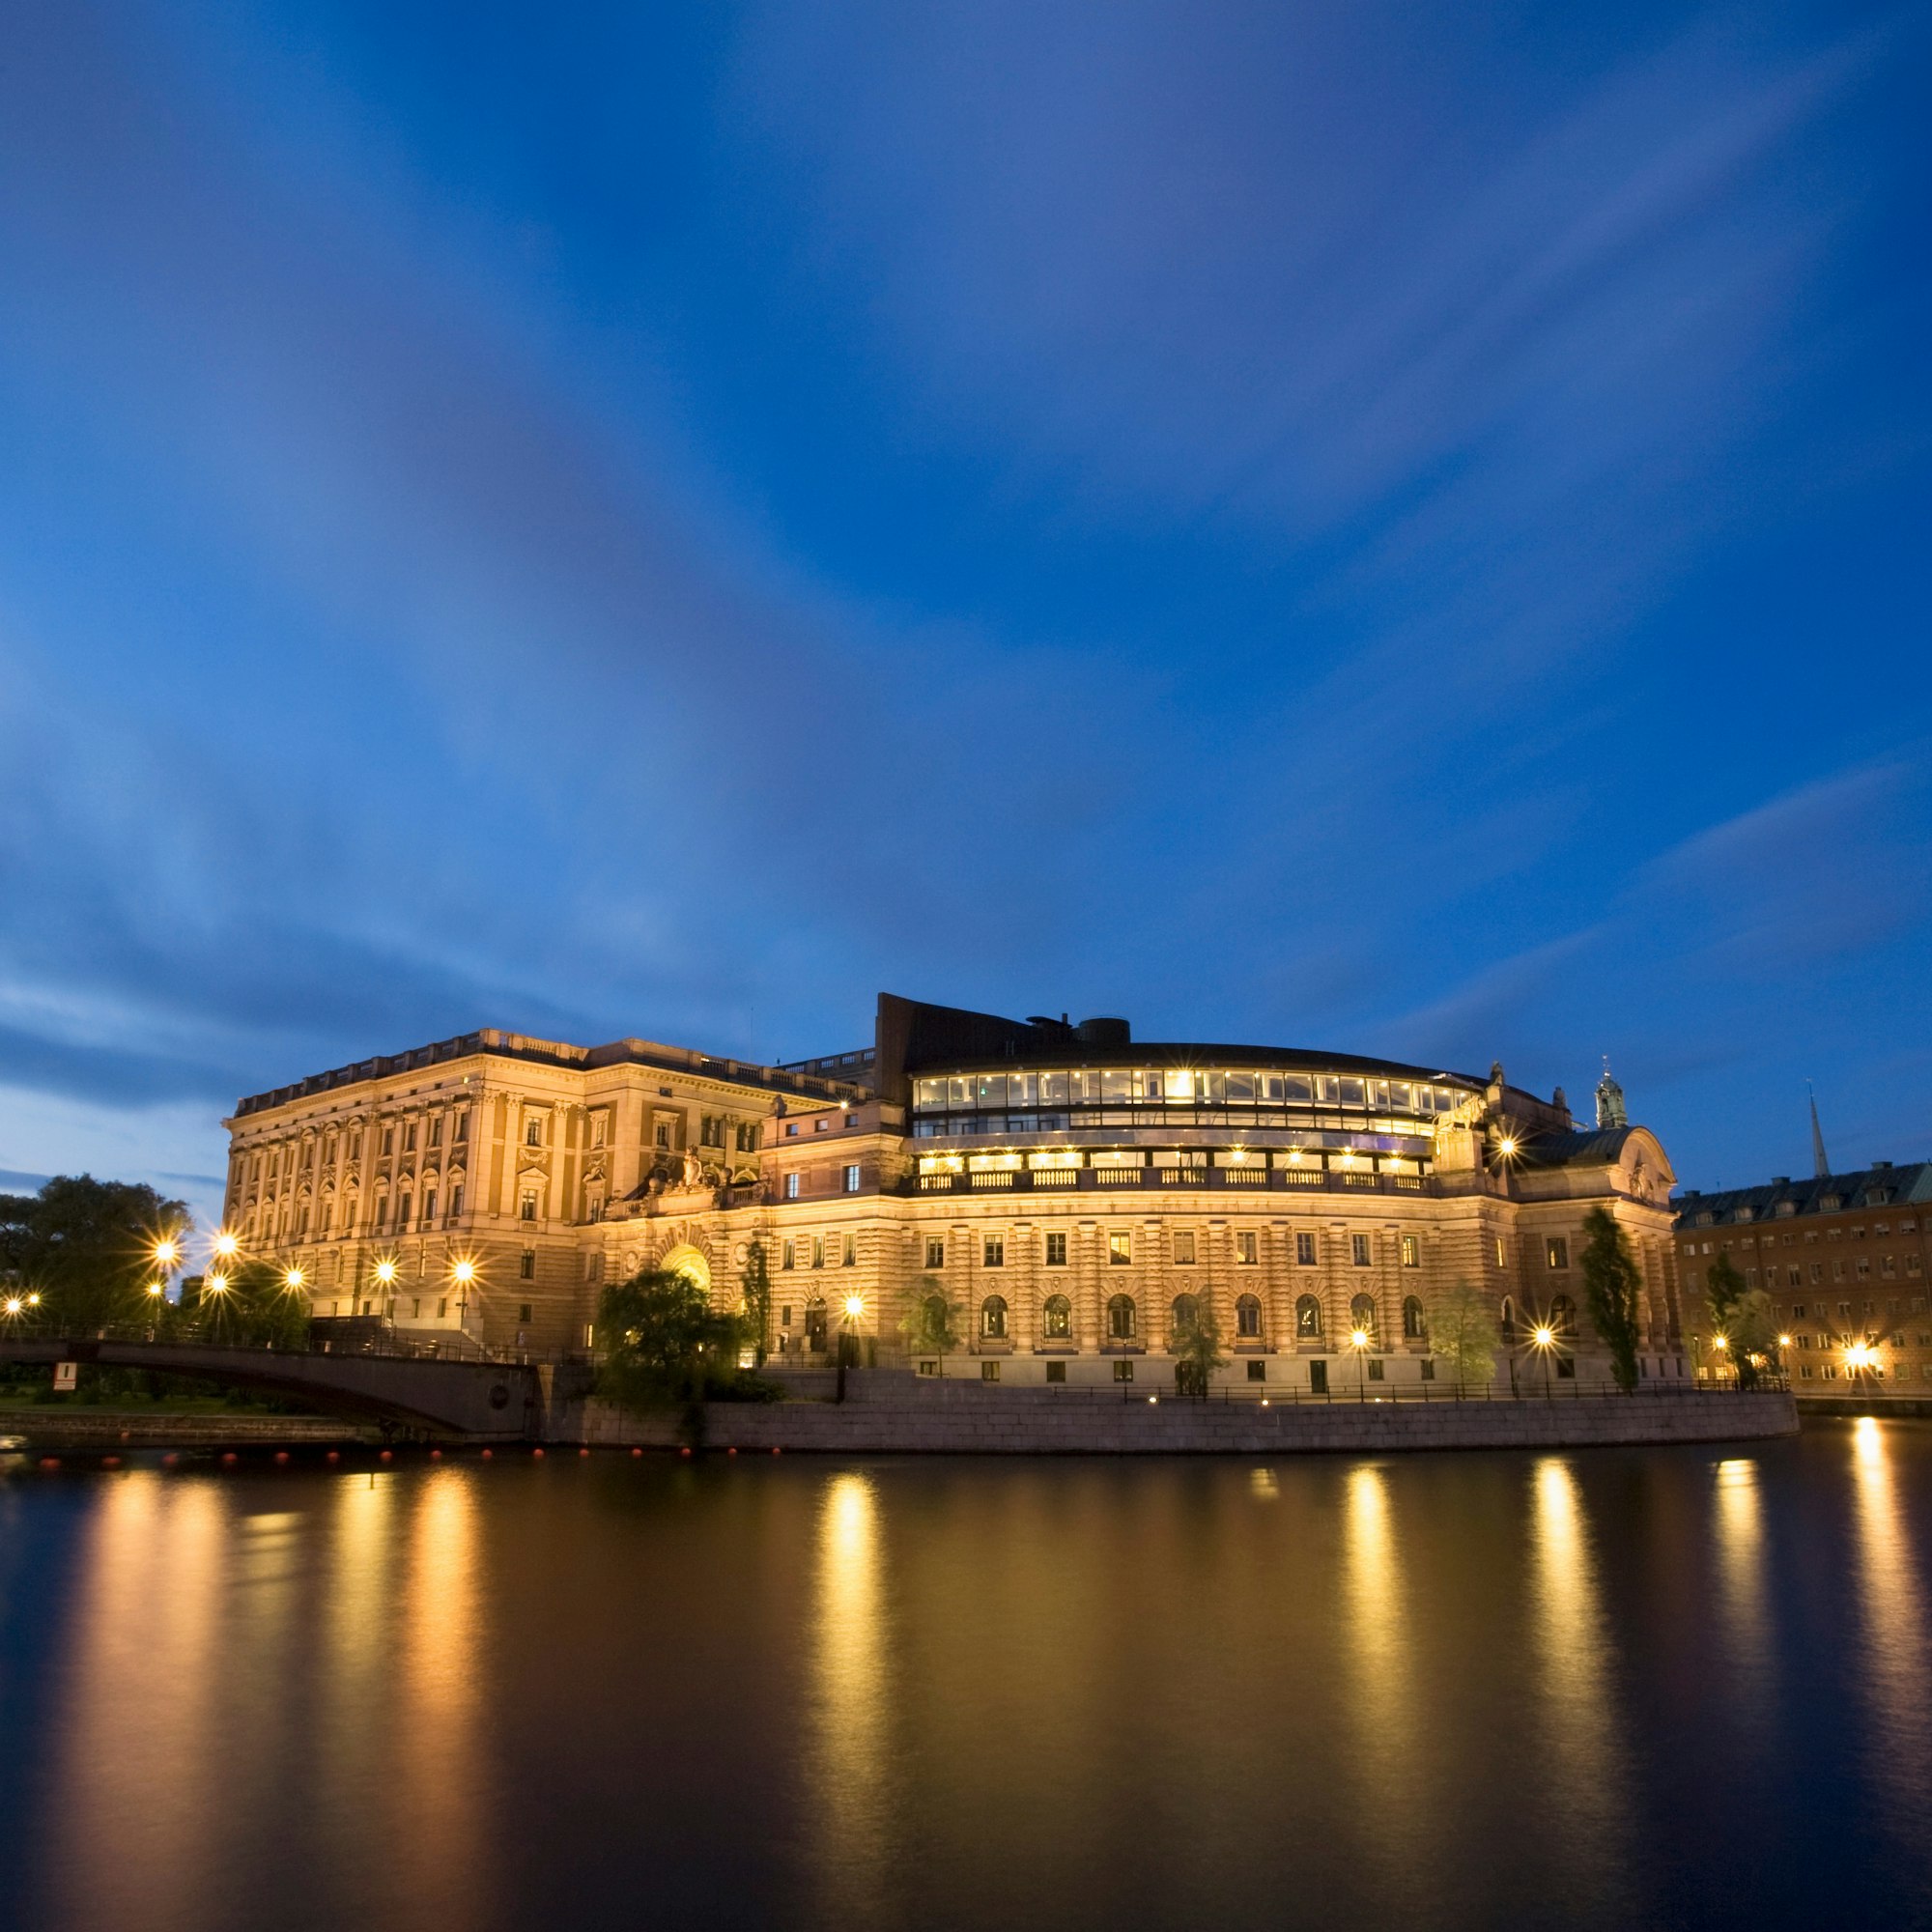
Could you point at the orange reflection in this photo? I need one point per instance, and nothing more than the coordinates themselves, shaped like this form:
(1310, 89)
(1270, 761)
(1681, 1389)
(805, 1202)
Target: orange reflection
(850, 1675)
(1572, 1645)
(1741, 1582)
(1891, 1613)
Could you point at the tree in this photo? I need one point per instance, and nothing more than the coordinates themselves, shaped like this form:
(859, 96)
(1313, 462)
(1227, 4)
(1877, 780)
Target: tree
(1197, 1351)
(254, 1306)
(757, 1298)
(1742, 1316)
(928, 1321)
(89, 1246)
(664, 1343)
(1613, 1287)
(1464, 1334)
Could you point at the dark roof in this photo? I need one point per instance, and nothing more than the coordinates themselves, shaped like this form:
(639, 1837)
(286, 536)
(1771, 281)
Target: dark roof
(1816, 1194)
(1585, 1146)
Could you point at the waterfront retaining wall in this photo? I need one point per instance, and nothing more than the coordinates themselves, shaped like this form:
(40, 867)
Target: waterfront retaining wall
(1002, 1423)
(105, 1428)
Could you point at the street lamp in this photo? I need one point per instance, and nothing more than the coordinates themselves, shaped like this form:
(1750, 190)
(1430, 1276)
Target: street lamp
(855, 1307)
(1358, 1339)
(1858, 1357)
(292, 1280)
(1543, 1336)
(226, 1246)
(462, 1273)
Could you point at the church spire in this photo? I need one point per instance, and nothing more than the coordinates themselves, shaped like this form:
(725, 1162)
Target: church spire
(1820, 1165)
(1610, 1100)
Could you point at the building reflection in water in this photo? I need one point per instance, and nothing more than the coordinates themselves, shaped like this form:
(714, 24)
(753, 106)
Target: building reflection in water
(848, 1793)
(1382, 1695)
(440, 1664)
(141, 1708)
(1890, 1665)
(1742, 1588)
(1573, 1649)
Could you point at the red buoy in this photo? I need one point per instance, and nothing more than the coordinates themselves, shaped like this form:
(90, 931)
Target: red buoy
(637, 1451)
(50, 1461)
(386, 1455)
(686, 1450)
(169, 1459)
(281, 1455)
(334, 1455)
(436, 1455)
(774, 1448)
(584, 1452)
(486, 1455)
(228, 1455)
(110, 1462)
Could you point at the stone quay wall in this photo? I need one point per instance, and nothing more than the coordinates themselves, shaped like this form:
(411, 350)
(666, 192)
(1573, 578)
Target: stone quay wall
(976, 1422)
(84, 1429)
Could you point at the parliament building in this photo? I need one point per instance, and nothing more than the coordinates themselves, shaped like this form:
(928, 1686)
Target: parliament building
(1072, 1193)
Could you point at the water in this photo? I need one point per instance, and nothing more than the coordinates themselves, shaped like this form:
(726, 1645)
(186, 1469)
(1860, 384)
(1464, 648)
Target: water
(1621, 1688)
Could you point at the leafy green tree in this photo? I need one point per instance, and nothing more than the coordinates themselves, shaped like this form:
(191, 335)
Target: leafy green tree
(1743, 1316)
(1195, 1348)
(253, 1306)
(1613, 1291)
(88, 1246)
(928, 1323)
(1463, 1332)
(757, 1298)
(664, 1343)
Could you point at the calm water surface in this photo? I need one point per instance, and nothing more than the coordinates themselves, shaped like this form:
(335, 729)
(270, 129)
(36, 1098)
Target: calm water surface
(1619, 1688)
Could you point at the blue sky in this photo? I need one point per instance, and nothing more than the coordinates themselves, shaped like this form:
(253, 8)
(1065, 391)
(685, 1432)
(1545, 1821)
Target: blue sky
(1396, 527)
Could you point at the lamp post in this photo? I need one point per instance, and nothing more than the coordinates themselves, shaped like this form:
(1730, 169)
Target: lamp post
(462, 1273)
(1859, 1358)
(1358, 1339)
(855, 1307)
(1723, 1344)
(1544, 1338)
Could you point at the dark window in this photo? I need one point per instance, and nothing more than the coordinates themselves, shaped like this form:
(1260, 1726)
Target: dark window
(1563, 1316)
(526, 1267)
(1556, 1252)
(1124, 1372)
(1304, 1250)
(1318, 1378)
(1374, 1368)
(1056, 1372)
(1186, 1314)
(1248, 1318)
(1121, 1319)
(993, 1318)
(1358, 1250)
(994, 1253)
(1308, 1319)
(935, 1253)
(1056, 1251)
(1413, 1327)
(1257, 1371)
(523, 1310)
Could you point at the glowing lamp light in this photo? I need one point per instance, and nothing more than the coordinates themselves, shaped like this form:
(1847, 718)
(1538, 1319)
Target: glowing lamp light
(216, 1284)
(226, 1246)
(1724, 1340)
(464, 1272)
(156, 1288)
(1506, 1146)
(1785, 1341)
(14, 1304)
(1859, 1357)
(385, 1272)
(1358, 1338)
(855, 1306)
(166, 1252)
(1542, 1337)
(34, 1300)
(294, 1279)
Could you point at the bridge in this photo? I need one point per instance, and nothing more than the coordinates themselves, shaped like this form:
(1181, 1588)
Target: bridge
(500, 1401)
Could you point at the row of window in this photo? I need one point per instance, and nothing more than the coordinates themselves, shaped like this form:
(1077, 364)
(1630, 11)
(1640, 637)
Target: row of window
(810, 1251)
(1122, 1318)
(1206, 1087)
(794, 1180)
(1859, 1231)
(1181, 1249)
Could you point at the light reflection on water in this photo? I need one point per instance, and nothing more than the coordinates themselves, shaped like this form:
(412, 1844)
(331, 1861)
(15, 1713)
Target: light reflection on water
(1460, 1692)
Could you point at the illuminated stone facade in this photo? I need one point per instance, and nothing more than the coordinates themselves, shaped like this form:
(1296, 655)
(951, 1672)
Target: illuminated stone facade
(1071, 1193)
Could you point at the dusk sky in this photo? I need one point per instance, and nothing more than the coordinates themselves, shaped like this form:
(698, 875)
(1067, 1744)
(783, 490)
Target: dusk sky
(1401, 528)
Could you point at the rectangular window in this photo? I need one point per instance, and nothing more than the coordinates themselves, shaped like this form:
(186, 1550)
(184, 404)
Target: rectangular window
(1124, 1372)
(927, 1369)
(1358, 1250)
(523, 1310)
(848, 1255)
(1056, 1372)
(1183, 1248)
(935, 1251)
(1427, 1369)
(818, 1251)
(1411, 1252)
(1304, 1250)
(1056, 1251)
(1247, 1247)
(852, 1178)
(456, 1201)
(462, 1125)
(989, 1372)
(994, 1252)
(663, 1134)
(1556, 1252)
(1120, 1252)
(388, 1144)
(1374, 1370)
(526, 1266)
(791, 1186)
(1502, 1263)
(409, 1138)
(436, 1130)
(528, 1206)
(442, 1305)
(1257, 1371)
(402, 1212)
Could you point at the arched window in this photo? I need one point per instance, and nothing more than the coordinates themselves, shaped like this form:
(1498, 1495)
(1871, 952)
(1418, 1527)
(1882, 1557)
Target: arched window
(1413, 1327)
(1248, 1319)
(1563, 1316)
(993, 1318)
(1121, 1319)
(1308, 1319)
(1057, 1317)
(935, 1314)
(1362, 1315)
(1507, 1325)
(1186, 1314)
